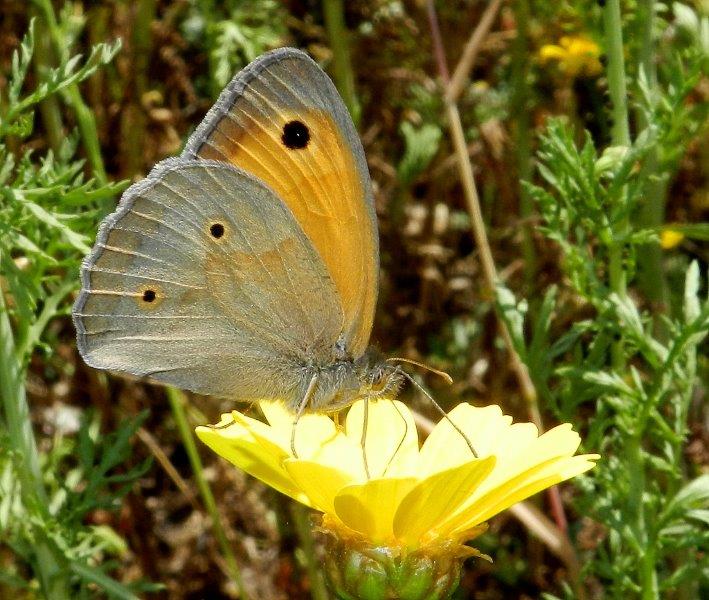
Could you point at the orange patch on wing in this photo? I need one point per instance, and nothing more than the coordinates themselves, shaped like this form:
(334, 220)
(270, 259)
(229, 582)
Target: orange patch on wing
(321, 186)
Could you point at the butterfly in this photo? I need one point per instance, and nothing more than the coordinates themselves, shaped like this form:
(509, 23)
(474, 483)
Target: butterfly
(247, 267)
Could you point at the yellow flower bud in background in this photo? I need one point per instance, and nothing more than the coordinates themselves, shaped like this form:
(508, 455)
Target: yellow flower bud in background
(670, 238)
(575, 55)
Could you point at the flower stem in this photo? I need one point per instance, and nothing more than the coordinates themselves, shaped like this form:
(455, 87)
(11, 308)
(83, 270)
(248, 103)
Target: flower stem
(48, 561)
(647, 574)
(646, 565)
(616, 73)
(177, 404)
(342, 65)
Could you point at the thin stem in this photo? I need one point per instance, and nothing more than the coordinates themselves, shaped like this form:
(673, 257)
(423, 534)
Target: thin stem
(523, 145)
(620, 134)
(341, 63)
(177, 401)
(478, 225)
(616, 73)
(134, 118)
(470, 51)
(84, 117)
(554, 538)
(49, 107)
(636, 508)
(304, 530)
(651, 275)
(13, 398)
(647, 574)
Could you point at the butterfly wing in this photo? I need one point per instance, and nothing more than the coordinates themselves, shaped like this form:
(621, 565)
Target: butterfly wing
(282, 119)
(203, 279)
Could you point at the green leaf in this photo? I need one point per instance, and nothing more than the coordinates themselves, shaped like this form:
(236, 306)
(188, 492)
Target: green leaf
(97, 576)
(513, 315)
(692, 307)
(694, 495)
(420, 146)
(609, 382)
(78, 241)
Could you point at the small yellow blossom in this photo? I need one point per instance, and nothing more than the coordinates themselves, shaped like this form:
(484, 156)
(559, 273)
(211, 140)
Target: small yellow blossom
(576, 55)
(669, 238)
(414, 497)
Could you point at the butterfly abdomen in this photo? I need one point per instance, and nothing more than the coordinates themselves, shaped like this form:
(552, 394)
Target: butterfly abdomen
(341, 383)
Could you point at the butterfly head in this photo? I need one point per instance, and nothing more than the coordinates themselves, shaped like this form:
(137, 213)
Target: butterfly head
(378, 378)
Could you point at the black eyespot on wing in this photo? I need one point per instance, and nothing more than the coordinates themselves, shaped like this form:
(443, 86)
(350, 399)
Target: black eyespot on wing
(149, 296)
(295, 135)
(217, 230)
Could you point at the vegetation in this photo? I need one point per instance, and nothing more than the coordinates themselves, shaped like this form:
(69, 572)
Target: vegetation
(541, 179)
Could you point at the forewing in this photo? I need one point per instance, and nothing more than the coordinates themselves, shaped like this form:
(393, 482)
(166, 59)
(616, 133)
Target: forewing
(324, 182)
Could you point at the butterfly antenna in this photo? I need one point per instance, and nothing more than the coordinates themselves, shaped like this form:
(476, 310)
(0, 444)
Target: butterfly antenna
(425, 392)
(442, 374)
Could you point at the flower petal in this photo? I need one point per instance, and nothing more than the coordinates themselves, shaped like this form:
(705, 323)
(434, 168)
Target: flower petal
(434, 499)
(445, 447)
(522, 486)
(369, 508)
(523, 452)
(391, 439)
(258, 457)
(551, 52)
(311, 432)
(319, 482)
(317, 439)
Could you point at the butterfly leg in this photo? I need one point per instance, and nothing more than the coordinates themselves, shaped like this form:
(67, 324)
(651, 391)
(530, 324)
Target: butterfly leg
(363, 441)
(403, 437)
(300, 409)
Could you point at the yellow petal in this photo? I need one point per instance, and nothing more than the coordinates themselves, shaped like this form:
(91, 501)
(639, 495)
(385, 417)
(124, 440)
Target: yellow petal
(434, 499)
(259, 458)
(511, 491)
(317, 439)
(391, 440)
(276, 413)
(369, 508)
(516, 446)
(486, 428)
(319, 482)
(261, 431)
(670, 238)
(311, 432)
(528, 451)
(551, 52)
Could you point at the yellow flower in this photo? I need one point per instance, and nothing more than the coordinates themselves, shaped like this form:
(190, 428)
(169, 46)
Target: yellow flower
(576, 56)
(669, 238)
(430, 496)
